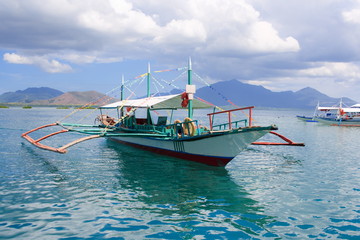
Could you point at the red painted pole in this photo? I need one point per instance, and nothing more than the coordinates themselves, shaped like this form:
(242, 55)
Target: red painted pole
(250, 117)
(229, 114)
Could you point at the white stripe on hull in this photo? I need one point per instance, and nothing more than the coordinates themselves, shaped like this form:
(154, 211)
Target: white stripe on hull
(334, 122)
(226, 145)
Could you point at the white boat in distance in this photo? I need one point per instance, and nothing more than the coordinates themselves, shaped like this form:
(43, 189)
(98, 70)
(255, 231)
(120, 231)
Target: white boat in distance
(339, 115)
(215, 144)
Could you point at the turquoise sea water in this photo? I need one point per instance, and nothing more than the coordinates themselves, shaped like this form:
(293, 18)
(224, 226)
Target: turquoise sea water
(100, 190)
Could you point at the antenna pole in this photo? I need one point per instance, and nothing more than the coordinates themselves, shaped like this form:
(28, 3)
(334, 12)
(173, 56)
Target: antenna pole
(148, 80)
(190, 106)
(122, 88)
(122, 94)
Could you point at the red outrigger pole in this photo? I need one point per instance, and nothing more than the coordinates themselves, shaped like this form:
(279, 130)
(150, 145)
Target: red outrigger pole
(60, 149)
(288, 142)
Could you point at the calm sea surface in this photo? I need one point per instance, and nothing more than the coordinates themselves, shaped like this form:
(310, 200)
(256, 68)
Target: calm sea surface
(100, 190)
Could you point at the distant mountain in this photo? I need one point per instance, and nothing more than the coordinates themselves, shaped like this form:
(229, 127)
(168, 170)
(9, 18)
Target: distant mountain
(243, 94)
(72, 98)
(220, 94)
(28, 95)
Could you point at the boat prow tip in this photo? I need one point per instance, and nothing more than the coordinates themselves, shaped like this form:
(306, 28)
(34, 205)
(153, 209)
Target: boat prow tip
(274, 127)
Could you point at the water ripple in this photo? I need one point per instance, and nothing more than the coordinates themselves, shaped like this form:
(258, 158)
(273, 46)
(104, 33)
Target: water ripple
(100, 190)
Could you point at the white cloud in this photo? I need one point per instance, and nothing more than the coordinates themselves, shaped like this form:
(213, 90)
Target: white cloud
(340, 70)
(222, 27)
(261, 41)
(78, 58)
(127, 29)
(336, 79)
(265, 38)
(48, 65)
(353, 15)
(17, 59)
(182, 32)
(118, 18)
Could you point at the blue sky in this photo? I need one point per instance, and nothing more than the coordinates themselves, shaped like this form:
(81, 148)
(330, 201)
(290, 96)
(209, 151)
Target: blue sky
(75, 45)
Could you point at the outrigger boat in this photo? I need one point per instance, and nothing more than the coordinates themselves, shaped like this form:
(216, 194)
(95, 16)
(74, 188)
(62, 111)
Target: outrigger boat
(306, 119)
(339, 115)
(217, 144)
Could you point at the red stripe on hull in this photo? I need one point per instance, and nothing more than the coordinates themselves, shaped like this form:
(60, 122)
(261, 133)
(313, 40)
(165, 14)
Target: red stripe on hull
(208, 160)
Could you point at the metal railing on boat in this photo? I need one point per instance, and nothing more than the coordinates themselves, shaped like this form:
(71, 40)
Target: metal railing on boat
(230, 122)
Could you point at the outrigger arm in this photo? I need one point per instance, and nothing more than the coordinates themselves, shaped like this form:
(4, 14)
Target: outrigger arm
(287, 142)
(94, 133)
(62, 149)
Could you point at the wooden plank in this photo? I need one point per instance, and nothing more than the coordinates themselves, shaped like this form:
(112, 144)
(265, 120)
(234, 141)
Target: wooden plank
(78, 141)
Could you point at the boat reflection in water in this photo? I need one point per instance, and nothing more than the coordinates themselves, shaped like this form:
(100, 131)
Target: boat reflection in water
(190, 197)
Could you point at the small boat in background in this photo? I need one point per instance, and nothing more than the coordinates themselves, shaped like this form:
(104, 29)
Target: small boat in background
(306, 119)
(339, 115)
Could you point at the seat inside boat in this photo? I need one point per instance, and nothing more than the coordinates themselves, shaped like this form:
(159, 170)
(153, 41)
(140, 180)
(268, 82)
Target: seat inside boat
(161, 120)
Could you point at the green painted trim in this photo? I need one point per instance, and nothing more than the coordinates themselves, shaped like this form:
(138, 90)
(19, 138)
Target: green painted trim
(148, 81)
(190, 104)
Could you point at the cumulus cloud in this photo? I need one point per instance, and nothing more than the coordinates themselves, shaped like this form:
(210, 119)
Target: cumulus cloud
(343, 70)
(50, 66)
(270, 42)
(192, 31)
(341, 78)
(117, 29)
(118, 18)
(352, 15)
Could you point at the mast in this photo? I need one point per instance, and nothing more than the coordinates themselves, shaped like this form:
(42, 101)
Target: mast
(122, 88)
(316, 110)
(149, 120)
(148, 80)
(190, 106)
(122, 94)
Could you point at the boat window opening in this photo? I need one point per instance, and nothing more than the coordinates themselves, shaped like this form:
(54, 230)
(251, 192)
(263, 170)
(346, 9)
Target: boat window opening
(141, 121)
(161, 120)
(141, 116)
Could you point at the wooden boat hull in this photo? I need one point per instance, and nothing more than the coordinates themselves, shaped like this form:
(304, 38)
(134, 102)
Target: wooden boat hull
(216, 149)
(306, 119)
(337, 122)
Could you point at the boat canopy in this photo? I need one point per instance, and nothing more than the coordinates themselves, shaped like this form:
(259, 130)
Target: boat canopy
(351, 110)
(356, 105)
(160, 102)
(328, 108)
(347, 110)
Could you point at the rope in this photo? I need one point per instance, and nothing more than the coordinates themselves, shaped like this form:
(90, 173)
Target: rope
(212, 88)
(84, 107)
(106, 98)
(222, 96)
(158, 86)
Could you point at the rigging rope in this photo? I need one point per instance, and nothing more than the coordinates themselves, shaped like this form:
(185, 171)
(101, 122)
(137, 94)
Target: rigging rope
(101, 101)
(139, 80)
(221, 95)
